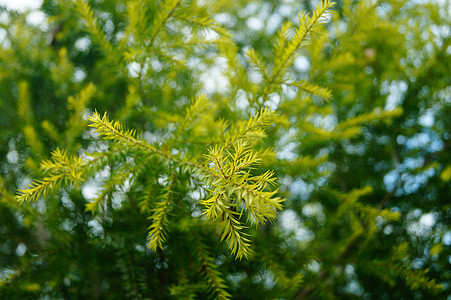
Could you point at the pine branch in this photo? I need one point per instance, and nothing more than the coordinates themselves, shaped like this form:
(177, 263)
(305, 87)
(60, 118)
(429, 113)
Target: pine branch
(198, 105)
(32, 139)
(190, 43)
(183, 290)
(126, 138)
(137, 20)
(168, 10)
(60, 168)
(24, 109)
(84, 9)
(76, 124)
(40, 187)
(285, 53)
(234, 192)
(237, 74)
(307, 25)
(262, 206)
(156, 236)
(145, 200)
(211, 272)
(257, 62)
(217, 208)
(51, 130)
(232, 229)
(281, 38)
(25, 112)
(252, 129)
(115, 131)
(415, 279)
(63, 169)
(288, 285)
(118, 178)
(170, 57)
(5, 196)
(233, 188)
(203, 22)
(313, 89)
(376, 114)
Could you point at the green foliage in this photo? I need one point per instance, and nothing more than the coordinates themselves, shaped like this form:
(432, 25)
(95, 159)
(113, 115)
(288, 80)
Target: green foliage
(60, 169)
(233, 191)
(307, 25)
(211, 273)
(225, 149)
(159, 219)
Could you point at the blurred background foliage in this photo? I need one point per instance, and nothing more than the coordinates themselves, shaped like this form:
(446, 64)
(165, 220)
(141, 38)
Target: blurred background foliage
(366, 174)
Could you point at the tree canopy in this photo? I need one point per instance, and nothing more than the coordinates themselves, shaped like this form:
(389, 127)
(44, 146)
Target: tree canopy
(220, 149)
